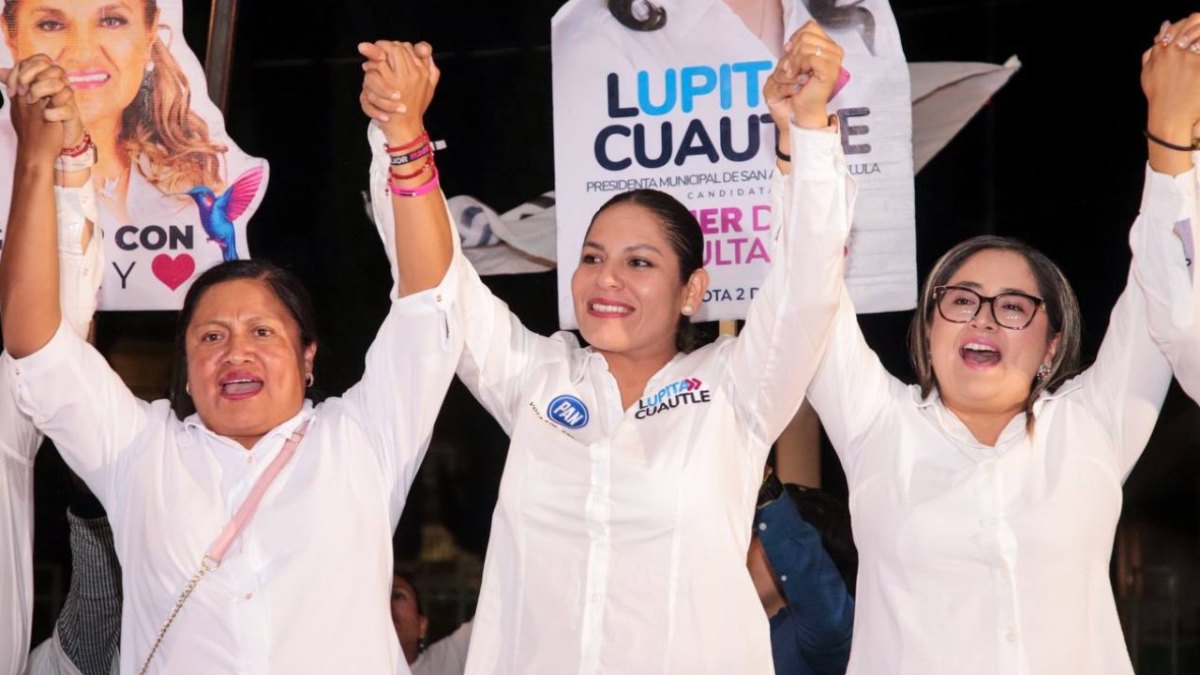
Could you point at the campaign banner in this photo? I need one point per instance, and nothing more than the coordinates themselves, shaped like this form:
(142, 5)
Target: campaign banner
(174, 193)
(679, 108)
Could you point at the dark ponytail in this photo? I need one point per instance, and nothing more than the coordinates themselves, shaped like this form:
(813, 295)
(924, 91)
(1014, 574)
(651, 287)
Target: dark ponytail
(622, 11)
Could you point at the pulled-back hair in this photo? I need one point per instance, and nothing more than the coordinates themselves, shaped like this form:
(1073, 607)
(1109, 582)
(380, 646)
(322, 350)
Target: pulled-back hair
(286, 286)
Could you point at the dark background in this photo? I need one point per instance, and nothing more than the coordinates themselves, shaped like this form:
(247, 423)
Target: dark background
(1057, 159)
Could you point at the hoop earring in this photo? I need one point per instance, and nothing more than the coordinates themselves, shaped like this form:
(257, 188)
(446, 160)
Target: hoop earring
(187, 387)
(309, 379)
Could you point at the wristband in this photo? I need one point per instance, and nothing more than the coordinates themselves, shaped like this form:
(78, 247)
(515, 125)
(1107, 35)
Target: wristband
(422, 189)
(1181, 148)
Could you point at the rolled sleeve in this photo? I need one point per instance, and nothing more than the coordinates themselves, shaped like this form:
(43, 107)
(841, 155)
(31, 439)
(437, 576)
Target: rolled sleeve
(80, 266)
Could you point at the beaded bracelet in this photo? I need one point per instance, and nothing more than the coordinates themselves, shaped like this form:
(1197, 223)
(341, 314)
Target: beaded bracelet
(84, 159)
(77, 150)
(427, 166)
(401, 160)
(393, 149)
(422, 189)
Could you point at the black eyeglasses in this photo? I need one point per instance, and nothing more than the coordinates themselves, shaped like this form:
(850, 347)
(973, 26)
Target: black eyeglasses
(959, 304)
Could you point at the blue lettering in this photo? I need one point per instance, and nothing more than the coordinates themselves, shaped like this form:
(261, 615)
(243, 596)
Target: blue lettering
(697, 81)
(643, 88)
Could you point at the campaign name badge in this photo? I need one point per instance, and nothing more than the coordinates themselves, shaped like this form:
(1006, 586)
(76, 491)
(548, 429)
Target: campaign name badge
(568, 411)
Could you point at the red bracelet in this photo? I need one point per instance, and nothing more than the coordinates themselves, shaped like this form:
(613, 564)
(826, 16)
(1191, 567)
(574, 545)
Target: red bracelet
(393, 149)
(77, 150)
(408, 176)
(422, 189)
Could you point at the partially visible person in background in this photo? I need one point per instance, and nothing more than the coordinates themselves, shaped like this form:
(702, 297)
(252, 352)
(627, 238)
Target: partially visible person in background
(803, 562)
(447, 656)
(87, 633)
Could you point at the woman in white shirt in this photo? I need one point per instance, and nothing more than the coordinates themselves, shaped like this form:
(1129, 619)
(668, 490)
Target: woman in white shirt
(79, 259)
(620, 538)
(299, 589)
(985, 498)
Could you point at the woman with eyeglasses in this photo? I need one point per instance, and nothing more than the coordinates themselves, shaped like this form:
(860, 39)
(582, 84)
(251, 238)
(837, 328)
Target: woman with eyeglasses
(986, 496)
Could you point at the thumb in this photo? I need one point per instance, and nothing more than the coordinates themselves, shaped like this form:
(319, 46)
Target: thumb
(371, 51)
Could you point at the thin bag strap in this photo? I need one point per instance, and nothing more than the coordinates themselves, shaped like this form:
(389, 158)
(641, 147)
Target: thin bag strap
(232, 530)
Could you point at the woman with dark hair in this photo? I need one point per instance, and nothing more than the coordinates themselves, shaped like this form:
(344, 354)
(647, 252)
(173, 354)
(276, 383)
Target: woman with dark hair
(986, 496)
(619, 541)
(269, 495)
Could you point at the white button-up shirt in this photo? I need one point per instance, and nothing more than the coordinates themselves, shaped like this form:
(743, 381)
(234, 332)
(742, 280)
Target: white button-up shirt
(79, 278)
(977, 559)
(304, 589)
(619, 541)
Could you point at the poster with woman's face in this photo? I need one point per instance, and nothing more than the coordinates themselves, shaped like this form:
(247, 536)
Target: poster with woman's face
(677, 107)
(173, 191)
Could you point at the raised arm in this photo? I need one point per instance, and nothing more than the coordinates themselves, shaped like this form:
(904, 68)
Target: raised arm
(29, 267)
(1164, 259)
(398, 86)
(812, 199)
(498, 350)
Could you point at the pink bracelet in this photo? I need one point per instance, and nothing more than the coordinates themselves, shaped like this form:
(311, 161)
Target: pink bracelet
(422, 189)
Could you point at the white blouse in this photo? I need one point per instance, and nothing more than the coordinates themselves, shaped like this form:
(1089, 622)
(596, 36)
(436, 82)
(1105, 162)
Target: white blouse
(619, 541)
(79, 279)
(977, 559)
(304, 589)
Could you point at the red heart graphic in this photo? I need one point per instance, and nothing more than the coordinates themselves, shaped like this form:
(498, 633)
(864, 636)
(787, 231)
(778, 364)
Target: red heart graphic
(173, 271)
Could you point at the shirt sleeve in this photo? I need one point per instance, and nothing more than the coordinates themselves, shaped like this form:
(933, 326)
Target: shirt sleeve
(774, 357)
(498, 351)
(72, 395)
(851, 388)
(408, 369)
(80, 267)
(1126, 385)
(820, 610)
(1164, 267)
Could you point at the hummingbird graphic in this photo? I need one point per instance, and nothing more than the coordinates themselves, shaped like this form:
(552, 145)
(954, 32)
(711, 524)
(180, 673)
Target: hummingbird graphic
(218, 213)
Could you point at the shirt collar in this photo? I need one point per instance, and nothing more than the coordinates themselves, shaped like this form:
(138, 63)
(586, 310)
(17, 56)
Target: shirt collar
(196, 429)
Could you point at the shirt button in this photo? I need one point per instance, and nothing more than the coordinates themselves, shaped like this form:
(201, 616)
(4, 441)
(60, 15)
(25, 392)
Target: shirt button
(251, 595)
(762, 527)
(783, 578)
(1011, 636)
(988, 521)
(989, 466)
(438, 297)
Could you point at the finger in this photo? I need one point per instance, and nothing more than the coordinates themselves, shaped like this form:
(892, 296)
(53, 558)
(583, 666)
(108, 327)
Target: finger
(423, 50)
(52, 114)
(44, 87)
(386, 104)
(372, 51)
(1146, 56)
(1189, 38)
(1162, 30)
(370, 110)
(375, 83)
(63, 98)
(811, 27)
(28, 71)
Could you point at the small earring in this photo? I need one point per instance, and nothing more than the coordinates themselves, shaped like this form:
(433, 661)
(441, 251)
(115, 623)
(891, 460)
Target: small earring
(150, 66)
(1043, 372)
(187, 386)
(309, 379)
(688, 309)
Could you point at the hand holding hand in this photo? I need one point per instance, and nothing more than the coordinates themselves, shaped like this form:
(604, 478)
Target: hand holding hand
(398, 85)
(44, 113)
(804, 79)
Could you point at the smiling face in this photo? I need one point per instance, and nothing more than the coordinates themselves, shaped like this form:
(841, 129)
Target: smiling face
(627, 291)
(245, 362)
(980, 366)
(104, 45)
